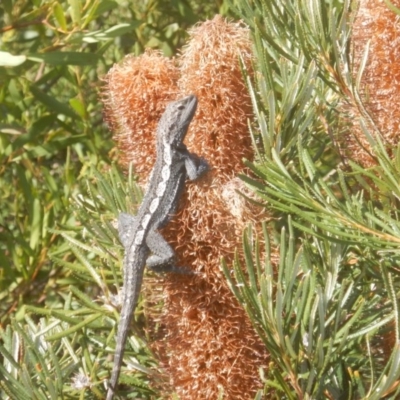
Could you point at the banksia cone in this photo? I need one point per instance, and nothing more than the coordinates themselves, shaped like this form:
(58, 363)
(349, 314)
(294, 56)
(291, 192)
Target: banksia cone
(135, 95)
(209, 345)
(381, 90)
(380, 83)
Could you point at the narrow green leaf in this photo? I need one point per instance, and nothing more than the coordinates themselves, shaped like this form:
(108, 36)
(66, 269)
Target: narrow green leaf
(86, 300)
(65, 58)
(51, 103)
(392, 7)
(58, 13)
(73, 329)
(78, 107)
(36, 218)
(76, 10)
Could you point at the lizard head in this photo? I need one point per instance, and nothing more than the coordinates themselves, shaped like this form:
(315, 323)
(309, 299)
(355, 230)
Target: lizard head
(175, 121)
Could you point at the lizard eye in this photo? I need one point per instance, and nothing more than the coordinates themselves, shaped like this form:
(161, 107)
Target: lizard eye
(181, 107)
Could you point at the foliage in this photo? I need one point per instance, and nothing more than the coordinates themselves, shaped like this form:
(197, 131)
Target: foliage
(65, 352)
(323, 310)
(52, 59)
(332, 298)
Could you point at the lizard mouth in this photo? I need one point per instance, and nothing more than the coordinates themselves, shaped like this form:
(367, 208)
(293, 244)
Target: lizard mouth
(175, 121)
(189, 104)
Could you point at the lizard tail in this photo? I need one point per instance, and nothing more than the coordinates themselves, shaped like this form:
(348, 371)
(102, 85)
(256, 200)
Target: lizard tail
(123, 329)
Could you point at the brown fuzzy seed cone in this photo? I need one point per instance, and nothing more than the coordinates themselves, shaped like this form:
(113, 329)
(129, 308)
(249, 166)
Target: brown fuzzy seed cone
(381, 79)
(135, 95)
(381, 90)
(208, 345)
(210, 69)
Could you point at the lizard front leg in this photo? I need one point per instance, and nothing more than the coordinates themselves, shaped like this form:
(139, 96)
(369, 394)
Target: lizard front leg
(195, 166)
(163, 256)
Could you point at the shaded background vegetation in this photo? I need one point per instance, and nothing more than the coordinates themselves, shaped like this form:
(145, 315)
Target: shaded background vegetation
(51, 124)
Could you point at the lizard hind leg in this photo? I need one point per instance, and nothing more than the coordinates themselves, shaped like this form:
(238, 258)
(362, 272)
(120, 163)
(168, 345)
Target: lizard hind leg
(163, 256)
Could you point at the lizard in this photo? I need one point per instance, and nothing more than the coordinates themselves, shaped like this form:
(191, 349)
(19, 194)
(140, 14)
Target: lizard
(139, 235)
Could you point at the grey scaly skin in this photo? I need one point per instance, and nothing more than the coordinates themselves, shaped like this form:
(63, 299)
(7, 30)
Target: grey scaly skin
(139, 234)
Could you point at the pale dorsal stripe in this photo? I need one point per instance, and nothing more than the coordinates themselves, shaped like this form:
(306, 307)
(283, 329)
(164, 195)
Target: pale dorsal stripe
(154, 205)
(161, 189)
(145, 220)
(166, 172)
(167, 153)
(139, 237)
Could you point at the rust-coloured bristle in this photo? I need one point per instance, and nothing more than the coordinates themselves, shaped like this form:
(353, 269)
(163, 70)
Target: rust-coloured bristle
(208, 345)
(135, 95)
(380, 84)
(381, 93)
